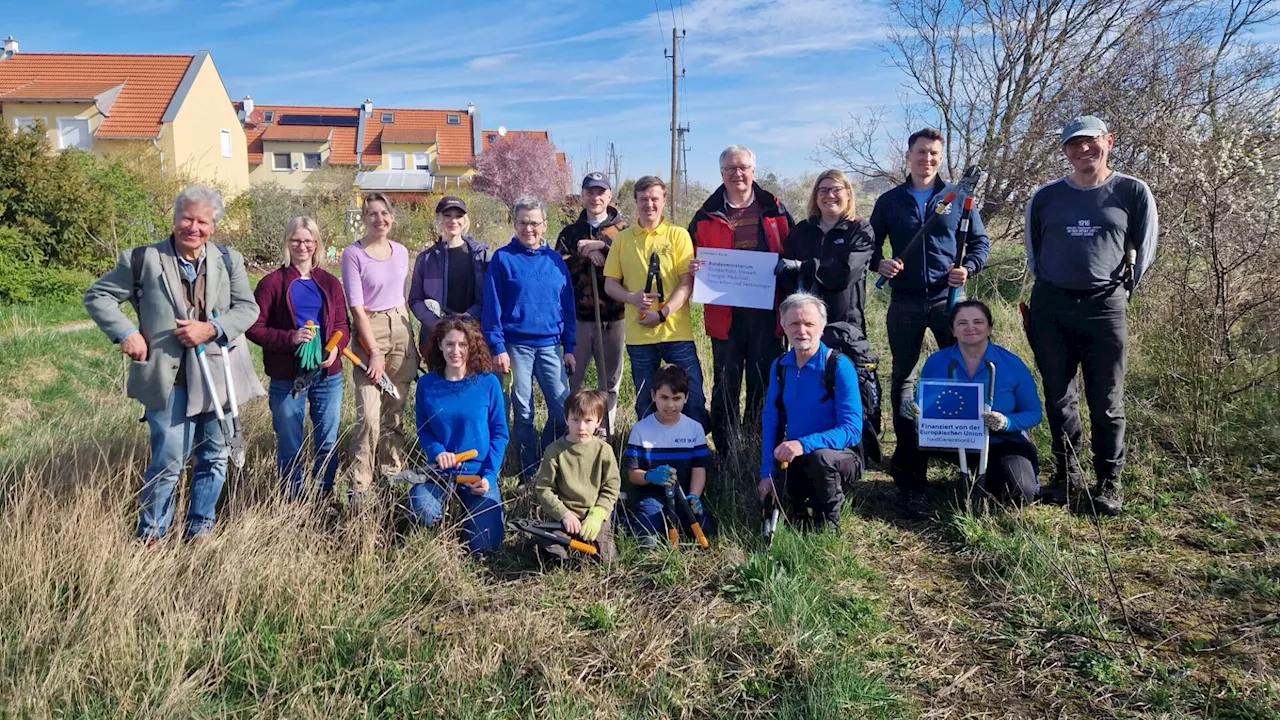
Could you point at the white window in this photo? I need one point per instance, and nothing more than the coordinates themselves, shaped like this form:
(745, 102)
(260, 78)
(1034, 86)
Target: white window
(397, 160)
(453, 119)
(24, 123)
(281, 161)
(268, 117)
(311, 161)
(226, 143)
(388, 118)
(74, 133)
(422, 161)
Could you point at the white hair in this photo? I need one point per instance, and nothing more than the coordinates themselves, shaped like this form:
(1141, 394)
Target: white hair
(525, 203)
(201, 195)
(797, 300)
(729, 152)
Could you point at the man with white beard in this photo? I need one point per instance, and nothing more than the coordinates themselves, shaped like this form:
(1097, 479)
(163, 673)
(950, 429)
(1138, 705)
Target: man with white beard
(812, 420)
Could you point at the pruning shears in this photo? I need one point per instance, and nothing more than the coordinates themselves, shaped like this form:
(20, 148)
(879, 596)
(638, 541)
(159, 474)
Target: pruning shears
(552, 532)
(679, 510)
(962, 239)
(304, 381)
(654, 277)
(384, 383)
(430, 472)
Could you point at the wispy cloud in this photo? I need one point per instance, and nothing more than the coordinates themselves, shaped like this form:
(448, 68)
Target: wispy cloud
(491, 62)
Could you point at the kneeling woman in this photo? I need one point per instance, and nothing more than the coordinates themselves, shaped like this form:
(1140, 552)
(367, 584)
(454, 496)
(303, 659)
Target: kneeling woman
(1012, 464)
(460, 408)
(300, 306)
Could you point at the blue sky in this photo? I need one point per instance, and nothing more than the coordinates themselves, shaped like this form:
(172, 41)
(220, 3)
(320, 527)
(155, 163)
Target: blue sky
(775, 75)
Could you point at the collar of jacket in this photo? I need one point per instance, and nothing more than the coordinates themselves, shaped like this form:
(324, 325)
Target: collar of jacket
(471, 244)
(718, 203)
(516, 246)
(904, 189)
(817, 362)
(611, 217)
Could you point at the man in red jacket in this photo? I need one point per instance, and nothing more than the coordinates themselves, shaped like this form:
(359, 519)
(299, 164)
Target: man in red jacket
(740, 215)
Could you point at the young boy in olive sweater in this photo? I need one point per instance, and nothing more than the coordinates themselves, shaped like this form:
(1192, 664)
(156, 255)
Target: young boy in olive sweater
(579, 481)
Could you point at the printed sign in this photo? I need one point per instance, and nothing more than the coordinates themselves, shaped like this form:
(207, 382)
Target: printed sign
(737, 278)
(950, 415)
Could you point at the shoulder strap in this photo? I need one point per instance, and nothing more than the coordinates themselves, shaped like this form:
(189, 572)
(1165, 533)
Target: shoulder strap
(780, 372)
(829, 375)
(137, 256)
(226, 260)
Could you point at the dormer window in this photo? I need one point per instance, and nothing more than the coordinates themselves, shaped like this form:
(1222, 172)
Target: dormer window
(268, 117)
(454, 119)
(388, 118)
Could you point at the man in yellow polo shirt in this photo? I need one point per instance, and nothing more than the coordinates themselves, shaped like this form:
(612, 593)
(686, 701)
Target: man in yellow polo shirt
(648, 270)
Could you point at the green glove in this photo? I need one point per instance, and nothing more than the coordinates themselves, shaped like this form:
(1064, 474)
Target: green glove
(310, 353)
(593, 522)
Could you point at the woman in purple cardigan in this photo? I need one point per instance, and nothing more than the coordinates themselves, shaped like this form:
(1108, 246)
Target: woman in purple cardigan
(448, 277)
(300, 307)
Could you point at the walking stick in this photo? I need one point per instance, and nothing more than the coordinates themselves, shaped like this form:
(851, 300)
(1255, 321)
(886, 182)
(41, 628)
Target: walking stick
(602, 371)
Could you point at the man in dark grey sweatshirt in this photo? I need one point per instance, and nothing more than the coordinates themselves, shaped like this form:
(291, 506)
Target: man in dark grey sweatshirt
(1090, 237)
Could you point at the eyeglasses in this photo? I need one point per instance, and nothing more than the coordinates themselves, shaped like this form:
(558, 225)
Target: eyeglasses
(299, 241)
(530, 224)
(737, 169)
(824, 191)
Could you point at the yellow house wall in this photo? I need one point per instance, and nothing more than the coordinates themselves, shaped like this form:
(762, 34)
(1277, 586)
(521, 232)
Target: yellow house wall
(195, 139)
(291, 179)
(452, 176)
(49, 113)
(408, 150)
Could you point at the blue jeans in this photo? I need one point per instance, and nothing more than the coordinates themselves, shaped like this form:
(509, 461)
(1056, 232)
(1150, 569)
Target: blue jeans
(483, 526)
(174, 438)
(645, 361)
(645, 518)
(547, 366)
(288, 417)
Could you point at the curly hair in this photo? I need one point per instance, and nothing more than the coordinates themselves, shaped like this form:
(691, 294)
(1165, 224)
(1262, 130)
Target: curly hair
(478, 358)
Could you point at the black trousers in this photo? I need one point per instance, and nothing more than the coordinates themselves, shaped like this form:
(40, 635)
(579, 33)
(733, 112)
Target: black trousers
(907, 319)
(815, 486)
(752, 347)
(1070, 332)
(1013, 468)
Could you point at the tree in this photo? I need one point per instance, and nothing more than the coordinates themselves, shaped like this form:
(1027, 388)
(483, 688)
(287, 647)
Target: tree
(521, 165)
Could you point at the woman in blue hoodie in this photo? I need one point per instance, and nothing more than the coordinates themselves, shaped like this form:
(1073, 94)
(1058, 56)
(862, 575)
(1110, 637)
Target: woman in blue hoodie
(459, 408)
(528, 318)
(1012, 464)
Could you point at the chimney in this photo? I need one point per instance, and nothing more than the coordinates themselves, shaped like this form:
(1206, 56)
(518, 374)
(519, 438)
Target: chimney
(471, 108)
(10, 48)
(367, 107)
(476, 144)
(247, 108)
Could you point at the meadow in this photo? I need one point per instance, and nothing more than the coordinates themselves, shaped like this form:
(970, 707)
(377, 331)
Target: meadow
(1171, 611)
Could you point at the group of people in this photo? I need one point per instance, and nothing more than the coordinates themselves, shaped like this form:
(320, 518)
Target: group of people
(537, 310)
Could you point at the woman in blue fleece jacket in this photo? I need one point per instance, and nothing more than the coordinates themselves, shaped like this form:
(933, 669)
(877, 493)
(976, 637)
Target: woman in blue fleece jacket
(528, 318)
(1012, 464)
(459, 407)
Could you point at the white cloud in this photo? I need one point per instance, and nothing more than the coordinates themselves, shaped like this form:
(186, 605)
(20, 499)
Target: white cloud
(491, 62)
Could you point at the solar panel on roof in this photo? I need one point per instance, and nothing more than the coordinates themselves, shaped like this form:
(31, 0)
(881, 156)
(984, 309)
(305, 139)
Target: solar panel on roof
(314, 120)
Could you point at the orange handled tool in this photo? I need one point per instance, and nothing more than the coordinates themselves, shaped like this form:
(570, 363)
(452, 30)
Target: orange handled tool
(333, 341)
(384, 383)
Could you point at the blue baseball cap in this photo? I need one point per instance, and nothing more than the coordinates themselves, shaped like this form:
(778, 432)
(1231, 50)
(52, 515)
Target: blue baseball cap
(596, 180)
(1084, 126)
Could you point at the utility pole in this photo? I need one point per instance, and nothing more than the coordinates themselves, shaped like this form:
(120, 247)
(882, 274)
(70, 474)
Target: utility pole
(613, 168)
(683, 171)
(676, 74)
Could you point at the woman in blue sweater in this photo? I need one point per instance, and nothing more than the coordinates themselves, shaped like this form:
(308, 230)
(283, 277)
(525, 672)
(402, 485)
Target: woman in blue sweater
(459, 408)
(1012, 464)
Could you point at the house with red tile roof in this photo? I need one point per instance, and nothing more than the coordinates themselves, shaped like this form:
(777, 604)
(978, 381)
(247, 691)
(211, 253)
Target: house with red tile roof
(492, 136)
(405, 152)
(104, 104)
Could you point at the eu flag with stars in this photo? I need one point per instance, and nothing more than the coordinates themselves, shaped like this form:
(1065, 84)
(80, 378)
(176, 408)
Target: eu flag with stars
(945, 401)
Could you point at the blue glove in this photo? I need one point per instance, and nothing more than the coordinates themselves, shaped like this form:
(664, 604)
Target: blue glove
(695, 504)
(662, 475)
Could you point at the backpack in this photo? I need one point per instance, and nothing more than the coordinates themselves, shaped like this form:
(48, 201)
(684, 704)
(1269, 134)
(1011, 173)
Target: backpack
(139, 254)
(868, 387)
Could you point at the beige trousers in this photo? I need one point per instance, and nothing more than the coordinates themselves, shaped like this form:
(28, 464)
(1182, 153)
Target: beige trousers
(378, 437)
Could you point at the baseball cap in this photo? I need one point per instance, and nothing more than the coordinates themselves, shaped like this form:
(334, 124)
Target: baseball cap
(450, 202)
(1085, 125)
(595, 180)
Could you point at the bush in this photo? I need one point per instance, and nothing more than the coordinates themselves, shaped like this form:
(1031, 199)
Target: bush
(25, 276)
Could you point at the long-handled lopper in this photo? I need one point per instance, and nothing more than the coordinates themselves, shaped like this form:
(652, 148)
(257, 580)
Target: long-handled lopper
(962, 239)
(980, 480)
(384, 383)
(967, 185)
(236, 443)
(304, 381)
(602, 372)
(228, 430)
(430, 472)
(552, 532)
(770, 511)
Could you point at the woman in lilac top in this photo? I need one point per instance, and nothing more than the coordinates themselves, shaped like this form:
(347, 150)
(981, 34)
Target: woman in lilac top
(374, 274)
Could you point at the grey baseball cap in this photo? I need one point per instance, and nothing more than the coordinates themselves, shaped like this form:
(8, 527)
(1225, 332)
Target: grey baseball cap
(1085, 125)
(595, 180)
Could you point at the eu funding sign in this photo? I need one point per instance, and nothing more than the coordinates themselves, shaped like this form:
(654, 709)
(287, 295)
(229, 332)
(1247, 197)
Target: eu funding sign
(950, 415)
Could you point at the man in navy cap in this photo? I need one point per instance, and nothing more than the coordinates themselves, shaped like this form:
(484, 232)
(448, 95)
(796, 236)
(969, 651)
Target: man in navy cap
(1090, 237)
(584, 246)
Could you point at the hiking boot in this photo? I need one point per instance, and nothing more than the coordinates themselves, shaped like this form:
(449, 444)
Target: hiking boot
(914, 505)
(1106, 498)
(1062, 490)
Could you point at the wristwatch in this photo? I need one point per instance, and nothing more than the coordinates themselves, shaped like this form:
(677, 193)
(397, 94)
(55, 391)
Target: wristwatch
(664, 313)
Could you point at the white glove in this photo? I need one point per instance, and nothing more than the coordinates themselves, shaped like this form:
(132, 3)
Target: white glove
(909, 409)
(434, 307)
(996, 422)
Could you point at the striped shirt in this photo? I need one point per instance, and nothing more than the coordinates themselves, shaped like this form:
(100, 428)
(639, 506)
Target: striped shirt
(683, 446)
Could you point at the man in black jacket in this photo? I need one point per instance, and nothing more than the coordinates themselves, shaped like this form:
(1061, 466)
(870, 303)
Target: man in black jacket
(584, 246)
(921, 282)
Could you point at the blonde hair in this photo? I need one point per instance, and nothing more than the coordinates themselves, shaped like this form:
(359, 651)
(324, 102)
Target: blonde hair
(303, 222)
(815, 213)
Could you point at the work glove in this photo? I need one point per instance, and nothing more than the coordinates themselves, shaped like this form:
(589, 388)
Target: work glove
(695, 504)
(909, 409)
(662, 475)
(786, 266)
(996, 422)
(592, 523)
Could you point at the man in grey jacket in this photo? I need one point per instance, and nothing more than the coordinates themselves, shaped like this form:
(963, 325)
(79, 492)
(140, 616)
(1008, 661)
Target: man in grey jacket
(187, 292)
(1090, 237)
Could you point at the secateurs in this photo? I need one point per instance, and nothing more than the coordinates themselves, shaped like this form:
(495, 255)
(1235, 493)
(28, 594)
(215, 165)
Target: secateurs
(552, 532)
